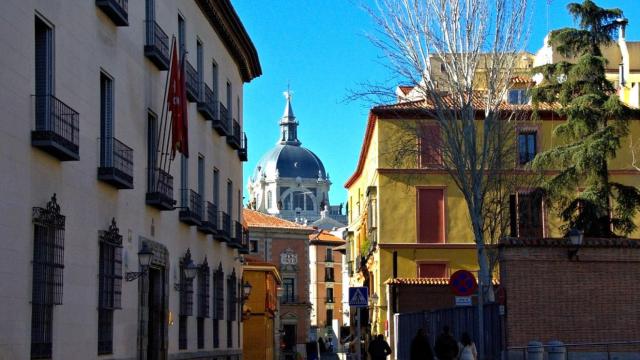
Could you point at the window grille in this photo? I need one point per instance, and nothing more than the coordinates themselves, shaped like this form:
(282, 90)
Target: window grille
(203, 290)
(218, 304)
(216, 334)
(186, 290)
(229, 333)
(48, 264)
(109, 285)
(200, 333)
(231, 286)
(182, 332)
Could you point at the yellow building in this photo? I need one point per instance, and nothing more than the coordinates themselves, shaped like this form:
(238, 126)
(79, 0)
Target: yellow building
(259, 312)
(415, 210)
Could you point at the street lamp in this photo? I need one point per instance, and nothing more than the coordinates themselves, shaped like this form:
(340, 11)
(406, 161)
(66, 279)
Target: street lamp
(374, 299)
(144, 260)
(575, 237)
(190, 270)
(246, 290)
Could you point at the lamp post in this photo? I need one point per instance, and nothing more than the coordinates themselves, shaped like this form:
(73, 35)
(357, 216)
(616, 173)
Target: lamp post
(144, 260)
(575, 237)
(190, 271)
(246, 290)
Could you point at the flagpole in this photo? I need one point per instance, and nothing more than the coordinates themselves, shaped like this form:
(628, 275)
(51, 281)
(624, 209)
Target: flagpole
(163, 118)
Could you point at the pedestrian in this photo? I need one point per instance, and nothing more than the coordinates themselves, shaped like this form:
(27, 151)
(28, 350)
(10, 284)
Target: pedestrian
(467, 348)
(420, 347)
(321, 345)
(446, 346)
(379, 349)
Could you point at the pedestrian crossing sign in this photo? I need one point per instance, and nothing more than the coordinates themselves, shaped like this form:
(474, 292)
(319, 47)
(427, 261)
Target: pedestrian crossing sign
(359, 297)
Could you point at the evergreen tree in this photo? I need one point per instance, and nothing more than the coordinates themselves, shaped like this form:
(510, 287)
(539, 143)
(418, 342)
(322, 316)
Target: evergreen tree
(596, 121)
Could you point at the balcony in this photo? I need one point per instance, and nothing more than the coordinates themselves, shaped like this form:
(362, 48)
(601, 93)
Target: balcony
(244, 246)
(207, 104)
(223, 232)
(160, 193)
(233, 139)
(236, 240)
(329, 279)
(116, 10)
(192, 80)
(191, 210)
(156, 47)
(328, 259)
(57, 130)
(329, 300)
(210, 221)
(116, 163)
(242, 152)
(222, 124)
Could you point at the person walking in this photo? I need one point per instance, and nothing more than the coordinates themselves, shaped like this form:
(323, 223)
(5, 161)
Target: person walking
(446, 346)
(420, 347)
(467, 348)
(378, 348)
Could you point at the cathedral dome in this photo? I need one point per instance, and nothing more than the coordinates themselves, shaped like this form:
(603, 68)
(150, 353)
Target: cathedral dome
(290, 161)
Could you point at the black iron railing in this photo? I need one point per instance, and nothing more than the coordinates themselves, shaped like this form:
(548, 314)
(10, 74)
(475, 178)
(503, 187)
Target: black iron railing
(117, 10)
(225, 119)
(329, 278)
(192, 80)
(224, 228)
(191, 203)
(207, 103)
(116, 161)
(157, 45)
(160, 190)
(57, 128)
(233, 139)
(237, 238)
(210, 219)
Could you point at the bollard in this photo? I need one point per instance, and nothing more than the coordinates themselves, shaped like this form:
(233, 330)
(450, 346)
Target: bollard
(556, 350)
(535, 351)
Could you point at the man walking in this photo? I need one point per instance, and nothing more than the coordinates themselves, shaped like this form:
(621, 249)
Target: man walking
(446, 346)
(420, 347)
(379, 349)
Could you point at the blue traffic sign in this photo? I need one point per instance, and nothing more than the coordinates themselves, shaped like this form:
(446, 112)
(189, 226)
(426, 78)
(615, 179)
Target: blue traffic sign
(359, 297)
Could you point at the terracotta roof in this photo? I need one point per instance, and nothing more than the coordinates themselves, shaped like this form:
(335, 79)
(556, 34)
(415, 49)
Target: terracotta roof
(564, 242)
(424, 281)
(256, 261)
(324, 235)
(522, 80)
(258, 219)
(405, 89)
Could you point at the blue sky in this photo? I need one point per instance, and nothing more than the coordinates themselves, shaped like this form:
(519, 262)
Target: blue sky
(321, 49)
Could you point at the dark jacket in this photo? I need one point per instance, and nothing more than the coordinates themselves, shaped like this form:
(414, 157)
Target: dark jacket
(421, 349)
(446, 347)
(379, 349)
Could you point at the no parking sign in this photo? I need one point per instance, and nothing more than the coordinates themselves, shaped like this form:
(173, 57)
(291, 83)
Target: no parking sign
(463, 283)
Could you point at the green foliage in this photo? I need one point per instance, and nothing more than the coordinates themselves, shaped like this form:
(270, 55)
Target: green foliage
(596, 120)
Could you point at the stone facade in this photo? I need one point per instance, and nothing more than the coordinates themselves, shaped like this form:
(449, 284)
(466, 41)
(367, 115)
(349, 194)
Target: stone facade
(92, 64)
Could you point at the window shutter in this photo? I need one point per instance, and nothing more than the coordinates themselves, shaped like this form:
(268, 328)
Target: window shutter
(431, 216)
(430, 146)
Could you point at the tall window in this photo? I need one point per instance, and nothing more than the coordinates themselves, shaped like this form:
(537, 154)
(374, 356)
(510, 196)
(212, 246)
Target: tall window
(200, 61)
(431, 216)
(184, 179)
(329, 318)
(203, 300)
(182, 45)
(186, 302)
(527, 146)
(150, 9)
(218, 304)
(48, 263)
(518, 97)
(216, 187)
(229, 197)
(201, 175)
(253, 246)
(329, 295)
(229, 101)
(214, 81)
(152, 150)
(288, 284)
(430, 146)
(43, 73)
(328, 274)
(109, 285)
(328, 255)
(106, 120)
(526, 214)
(231, 306)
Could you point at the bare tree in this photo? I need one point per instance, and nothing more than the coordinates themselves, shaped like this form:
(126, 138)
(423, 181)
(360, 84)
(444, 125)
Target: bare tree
(447, 50)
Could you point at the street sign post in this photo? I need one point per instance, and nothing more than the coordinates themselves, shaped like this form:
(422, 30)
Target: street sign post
(463, 301)
(358, 298)
(463, 283)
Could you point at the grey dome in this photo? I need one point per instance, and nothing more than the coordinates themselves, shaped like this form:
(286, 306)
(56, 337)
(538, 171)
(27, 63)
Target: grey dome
(291, 161)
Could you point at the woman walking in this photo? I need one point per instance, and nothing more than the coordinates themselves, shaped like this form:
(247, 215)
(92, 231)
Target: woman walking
(467, 348)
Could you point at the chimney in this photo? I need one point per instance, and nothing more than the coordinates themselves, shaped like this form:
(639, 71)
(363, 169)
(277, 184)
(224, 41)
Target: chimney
(622, 27)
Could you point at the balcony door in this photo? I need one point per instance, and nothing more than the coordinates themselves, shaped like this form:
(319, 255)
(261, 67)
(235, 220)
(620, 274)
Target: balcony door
(43, 73)
(431, 222)
(106, 120)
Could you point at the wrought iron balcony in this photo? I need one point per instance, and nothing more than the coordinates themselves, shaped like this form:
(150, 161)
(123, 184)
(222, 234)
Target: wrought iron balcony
(57, 129)
(236, 240)
(223, 232)
(223, 124)
(242, 152)
(329, 279)
(244, 246)
(207, 104)
(233, 139)
(191, 211)
(210, 221)
(192, 80)
(156, 47)
(160, 190)
(116, 163)
(116, 10)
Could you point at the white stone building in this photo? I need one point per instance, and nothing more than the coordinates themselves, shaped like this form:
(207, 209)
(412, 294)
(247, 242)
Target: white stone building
(289, 180)
(86, 189)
